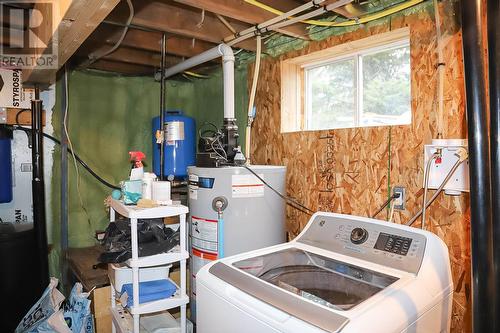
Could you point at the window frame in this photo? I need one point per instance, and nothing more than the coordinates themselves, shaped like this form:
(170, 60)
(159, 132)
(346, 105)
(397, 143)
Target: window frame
(295, 113)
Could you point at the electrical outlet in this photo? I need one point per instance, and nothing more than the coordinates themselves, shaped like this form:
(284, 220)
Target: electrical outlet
(399, 203)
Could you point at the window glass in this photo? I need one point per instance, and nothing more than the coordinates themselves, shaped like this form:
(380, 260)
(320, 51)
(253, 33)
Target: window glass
(386, 88)
(331, 96)
(367, 88)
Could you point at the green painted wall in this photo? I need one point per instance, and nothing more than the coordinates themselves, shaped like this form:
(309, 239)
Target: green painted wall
(108, 117)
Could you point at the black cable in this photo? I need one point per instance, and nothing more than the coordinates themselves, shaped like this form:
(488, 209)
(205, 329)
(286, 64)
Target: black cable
(19, 113)
(386, 203)
(292, 202)
(92, 172)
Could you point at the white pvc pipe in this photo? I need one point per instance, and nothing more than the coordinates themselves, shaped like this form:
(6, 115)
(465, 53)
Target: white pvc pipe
(224, 51)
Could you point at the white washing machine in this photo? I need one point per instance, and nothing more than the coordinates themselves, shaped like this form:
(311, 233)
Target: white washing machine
(343, 273)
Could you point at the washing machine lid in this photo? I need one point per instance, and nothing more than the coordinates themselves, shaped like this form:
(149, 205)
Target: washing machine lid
(297, 282)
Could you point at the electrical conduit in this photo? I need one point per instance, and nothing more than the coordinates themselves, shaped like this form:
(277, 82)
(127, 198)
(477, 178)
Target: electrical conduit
(365, 19)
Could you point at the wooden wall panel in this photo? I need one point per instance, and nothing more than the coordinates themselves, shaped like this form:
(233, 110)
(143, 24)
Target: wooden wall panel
(347, 171)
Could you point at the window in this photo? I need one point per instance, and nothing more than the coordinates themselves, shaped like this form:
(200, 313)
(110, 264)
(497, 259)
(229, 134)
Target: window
(358, 84)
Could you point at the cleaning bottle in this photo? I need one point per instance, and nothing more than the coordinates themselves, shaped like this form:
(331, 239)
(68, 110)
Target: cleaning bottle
(137, 171)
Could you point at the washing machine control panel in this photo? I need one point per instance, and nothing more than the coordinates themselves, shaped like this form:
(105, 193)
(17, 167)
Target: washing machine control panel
(393, 243)
(389, 245)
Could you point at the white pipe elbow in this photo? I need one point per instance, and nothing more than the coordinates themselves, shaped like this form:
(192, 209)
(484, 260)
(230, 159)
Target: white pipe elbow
(226, 52)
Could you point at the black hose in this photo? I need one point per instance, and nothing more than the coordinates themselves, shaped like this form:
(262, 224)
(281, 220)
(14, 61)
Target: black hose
(493, 17)
(385, 204)
(292, 202)
(92, 172)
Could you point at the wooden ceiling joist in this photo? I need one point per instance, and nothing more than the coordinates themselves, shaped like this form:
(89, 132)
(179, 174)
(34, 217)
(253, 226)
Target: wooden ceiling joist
(242, 11)
(180, 20)
(125, 54)
(77, 20)
(150, 41)
(122, 67)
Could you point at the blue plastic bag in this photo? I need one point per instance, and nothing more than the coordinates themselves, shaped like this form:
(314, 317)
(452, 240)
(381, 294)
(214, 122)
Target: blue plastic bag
(77, 311)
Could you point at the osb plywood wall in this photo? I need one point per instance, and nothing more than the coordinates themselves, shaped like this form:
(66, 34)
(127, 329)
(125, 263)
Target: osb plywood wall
(349, 170)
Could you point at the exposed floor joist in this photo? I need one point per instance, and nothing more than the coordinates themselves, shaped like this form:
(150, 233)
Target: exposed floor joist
(180, 20)
(77, 21)
(150, 41)
(242, 11)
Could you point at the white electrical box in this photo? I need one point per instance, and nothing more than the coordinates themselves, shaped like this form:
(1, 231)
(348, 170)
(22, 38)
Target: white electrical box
(459, 182)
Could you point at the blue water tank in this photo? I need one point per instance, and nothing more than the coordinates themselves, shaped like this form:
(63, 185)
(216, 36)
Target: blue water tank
(5, 165)
(180, 144)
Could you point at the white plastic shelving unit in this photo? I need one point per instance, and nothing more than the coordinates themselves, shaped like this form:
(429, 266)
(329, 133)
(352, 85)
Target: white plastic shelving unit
(123, 323)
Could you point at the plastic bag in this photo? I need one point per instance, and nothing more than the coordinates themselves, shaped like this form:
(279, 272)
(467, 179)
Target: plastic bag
(77, 311)
(153, 237)
(47, 315)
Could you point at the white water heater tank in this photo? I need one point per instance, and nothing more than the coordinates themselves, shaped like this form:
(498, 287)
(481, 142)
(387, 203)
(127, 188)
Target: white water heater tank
(253, 218)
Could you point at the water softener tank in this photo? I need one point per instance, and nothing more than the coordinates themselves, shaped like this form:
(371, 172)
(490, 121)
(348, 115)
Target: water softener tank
(5, 165)
(180, 145)
(253, 216)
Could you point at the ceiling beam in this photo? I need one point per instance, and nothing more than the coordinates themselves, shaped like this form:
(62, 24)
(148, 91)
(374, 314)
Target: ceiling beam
(75, 22)
(127, 55)
(179, 20)
(150, 41)
(242, 11)
(121, 67)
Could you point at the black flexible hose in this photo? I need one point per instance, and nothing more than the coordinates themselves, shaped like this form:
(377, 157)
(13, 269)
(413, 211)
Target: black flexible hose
(292, 202)
(92, 172)
(385, 204)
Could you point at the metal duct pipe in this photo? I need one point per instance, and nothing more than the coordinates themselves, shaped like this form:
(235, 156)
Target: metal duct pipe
(483, 287)
(38, 187)
(493, 17)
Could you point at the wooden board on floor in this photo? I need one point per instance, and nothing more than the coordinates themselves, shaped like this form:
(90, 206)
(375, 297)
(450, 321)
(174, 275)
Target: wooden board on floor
(81, 261)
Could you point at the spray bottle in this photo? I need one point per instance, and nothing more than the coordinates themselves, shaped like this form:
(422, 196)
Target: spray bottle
(137, 171)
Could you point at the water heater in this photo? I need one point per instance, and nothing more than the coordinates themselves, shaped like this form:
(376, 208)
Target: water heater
(5, 165)
(253, 216)
(180, 144)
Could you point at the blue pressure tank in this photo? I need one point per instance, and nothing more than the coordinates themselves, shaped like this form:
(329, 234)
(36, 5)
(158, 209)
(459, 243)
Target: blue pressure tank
(5, 165)
(180, 144)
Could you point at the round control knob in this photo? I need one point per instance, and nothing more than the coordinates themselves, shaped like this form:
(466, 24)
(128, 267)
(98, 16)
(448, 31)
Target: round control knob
(359, 235)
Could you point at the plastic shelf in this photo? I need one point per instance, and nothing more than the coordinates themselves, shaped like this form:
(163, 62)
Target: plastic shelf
(135, 212)
(158, 259)
(162, 304)
(123, 321)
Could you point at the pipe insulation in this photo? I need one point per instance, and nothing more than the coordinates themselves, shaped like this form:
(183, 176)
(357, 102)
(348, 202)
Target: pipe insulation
(224, 51)
(483, 287)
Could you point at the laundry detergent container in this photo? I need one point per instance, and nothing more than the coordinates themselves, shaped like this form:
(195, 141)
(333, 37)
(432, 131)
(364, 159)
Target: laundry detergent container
(180, 144)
